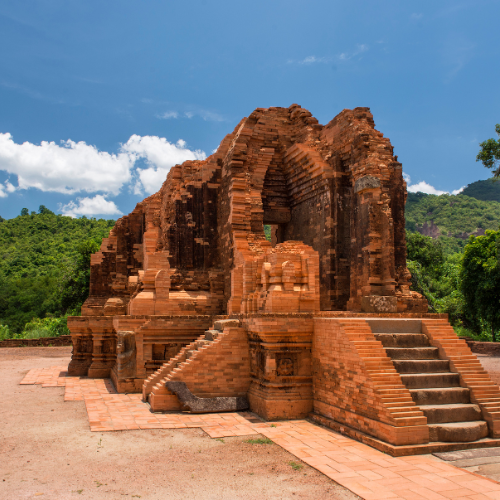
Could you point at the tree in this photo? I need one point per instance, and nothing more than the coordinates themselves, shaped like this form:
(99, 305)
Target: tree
(480, 282)
(75, 280)
(426, 251)
(424, 260)
(489, 154)
(42, 209)
(24, 212)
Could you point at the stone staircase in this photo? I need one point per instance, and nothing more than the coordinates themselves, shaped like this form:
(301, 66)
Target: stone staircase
(161, 376)
(154, 389)
(451, 417)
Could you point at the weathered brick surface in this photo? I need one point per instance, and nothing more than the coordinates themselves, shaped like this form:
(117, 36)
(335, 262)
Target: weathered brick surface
(282, 279)
(94, 345)
(280, 350)
(336, 188)
(62, 340)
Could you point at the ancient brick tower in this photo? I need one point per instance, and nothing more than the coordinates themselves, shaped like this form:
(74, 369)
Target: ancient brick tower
(289, 321)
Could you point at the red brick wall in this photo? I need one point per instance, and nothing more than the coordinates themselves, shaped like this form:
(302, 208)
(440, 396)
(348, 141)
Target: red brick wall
(63, 340)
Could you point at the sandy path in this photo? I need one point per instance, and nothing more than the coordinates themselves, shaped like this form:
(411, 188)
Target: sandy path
(492, 365)
(47, 451)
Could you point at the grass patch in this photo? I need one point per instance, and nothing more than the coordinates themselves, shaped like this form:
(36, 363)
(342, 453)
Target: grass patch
(295, 465)
(259, 441)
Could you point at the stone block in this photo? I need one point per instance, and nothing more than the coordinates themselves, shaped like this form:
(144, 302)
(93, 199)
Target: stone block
(206, 405)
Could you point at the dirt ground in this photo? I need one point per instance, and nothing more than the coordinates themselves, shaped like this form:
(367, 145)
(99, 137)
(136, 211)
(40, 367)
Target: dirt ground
(48, 451)
(492, 365)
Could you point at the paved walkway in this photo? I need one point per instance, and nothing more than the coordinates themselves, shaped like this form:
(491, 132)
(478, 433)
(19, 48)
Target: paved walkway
(365, 471)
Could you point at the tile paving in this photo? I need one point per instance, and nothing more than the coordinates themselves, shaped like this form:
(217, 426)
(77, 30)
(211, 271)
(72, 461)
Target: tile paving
(365, 471)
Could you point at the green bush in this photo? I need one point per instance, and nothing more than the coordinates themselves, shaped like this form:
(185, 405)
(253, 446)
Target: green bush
(4, 332)
(426, 251)
(436, 276)
(465, 285)
(46, 327)
(480, 283)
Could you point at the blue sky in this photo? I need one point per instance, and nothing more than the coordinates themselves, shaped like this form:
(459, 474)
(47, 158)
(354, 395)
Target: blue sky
(99, 99)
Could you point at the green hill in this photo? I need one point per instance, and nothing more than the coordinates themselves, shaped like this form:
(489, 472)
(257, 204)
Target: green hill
(37, 253)
(451, 219)
(488, 190)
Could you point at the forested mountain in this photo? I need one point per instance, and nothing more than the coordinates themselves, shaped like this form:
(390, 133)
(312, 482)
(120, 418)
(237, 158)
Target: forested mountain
(451, 219)
(43, 257)
(488, 190)
(459, 275)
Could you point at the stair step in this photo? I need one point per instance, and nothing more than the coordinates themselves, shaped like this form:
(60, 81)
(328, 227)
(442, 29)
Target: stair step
(462, 432)
(412, 352)
(421, 365)
(384, 325)
(440, 396)
(429, 380)
(403, 339)
(438, 414)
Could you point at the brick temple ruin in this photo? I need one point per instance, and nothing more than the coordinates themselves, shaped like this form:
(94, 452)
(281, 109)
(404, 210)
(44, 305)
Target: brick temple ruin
(191, 305)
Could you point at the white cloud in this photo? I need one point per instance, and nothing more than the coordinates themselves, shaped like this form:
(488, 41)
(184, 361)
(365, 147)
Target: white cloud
(98, 205)
(314, 60)
(160, 156)
(204, 114)
(417, 16)
(183, 111)
(78, 167)
(6, 189)
(458, 191)
(168, 114)
(344, 56)
(360, 48)
(424, 187)
(66, 168)
(208, 116)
